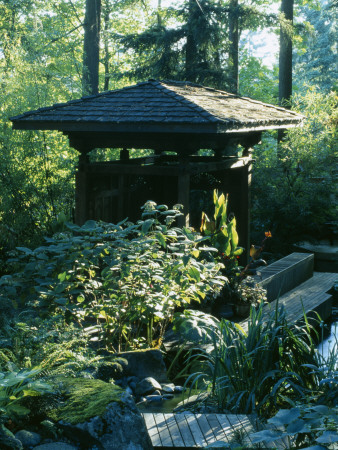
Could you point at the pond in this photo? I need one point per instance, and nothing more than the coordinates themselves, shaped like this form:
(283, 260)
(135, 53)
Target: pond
(329, 340)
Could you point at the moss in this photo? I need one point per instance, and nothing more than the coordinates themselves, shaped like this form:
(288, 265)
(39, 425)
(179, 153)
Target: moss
(111, 369)
(84, 399)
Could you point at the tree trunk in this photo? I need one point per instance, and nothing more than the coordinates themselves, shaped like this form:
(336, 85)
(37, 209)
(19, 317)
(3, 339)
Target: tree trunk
(285, 61)
(285, 56)
(106, 46)
(191, 47)
(234, 41)
(91, 48)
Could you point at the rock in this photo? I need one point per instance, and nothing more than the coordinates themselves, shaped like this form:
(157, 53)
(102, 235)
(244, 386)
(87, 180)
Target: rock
(168, 396)
(132, 385)
(168, 388)
(9, 443)
(193, 402)
(147, 386)
(111, 369)
(102, 411)
(154, 398)
(146, 363)
(7, 439)
(129, 390)
(55, 446)
(28, 438)
(178, 389)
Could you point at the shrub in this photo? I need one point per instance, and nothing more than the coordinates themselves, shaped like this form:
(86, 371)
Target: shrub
(124, 280)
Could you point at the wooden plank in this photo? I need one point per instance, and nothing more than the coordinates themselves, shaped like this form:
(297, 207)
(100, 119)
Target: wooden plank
(247, 429)
(310, 295)
(206, 429)
(163, 430)
(285, 274)
(230, 428)
(174, 430)
(195, 430)
(184, 430)
(152, 429)
(218, 430)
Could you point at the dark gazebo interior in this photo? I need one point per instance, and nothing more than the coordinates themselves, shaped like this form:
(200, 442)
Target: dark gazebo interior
(176, 120)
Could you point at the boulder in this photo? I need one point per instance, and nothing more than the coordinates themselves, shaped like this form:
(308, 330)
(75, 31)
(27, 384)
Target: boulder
(146, 363)
(147, 386)
(100, 413)
(28, 438)
(55, 446)
(7, 439)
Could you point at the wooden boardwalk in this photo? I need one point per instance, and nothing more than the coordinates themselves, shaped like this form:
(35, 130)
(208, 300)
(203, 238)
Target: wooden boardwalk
(188, 430)
(309, 296)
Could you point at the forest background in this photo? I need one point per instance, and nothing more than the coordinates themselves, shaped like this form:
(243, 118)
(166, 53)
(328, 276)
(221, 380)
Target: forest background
(211, 42)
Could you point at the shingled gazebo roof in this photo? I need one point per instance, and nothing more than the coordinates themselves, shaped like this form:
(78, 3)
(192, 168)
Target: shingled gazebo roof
(160, 107)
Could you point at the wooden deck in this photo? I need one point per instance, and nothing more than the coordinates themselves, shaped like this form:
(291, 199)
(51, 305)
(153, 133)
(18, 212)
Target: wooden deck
(309, 296)
(285, 274)
(188, 430)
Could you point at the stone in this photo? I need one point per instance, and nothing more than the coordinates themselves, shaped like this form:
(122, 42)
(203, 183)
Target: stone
(114, 369)
(55, 446)
(102, 411)
(168, 396)
(178, 389)
(121, 427)
(9, 443)
(191, 402)
(154, 398)
(146, 363)
(28, 438)
(168, 388)
(147, 386)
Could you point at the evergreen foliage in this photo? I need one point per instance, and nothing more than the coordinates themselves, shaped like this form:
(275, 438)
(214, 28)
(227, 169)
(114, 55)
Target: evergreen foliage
(316, 63)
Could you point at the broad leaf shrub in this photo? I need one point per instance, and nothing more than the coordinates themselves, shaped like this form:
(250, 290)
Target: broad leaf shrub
(303, 426)
(122, 282)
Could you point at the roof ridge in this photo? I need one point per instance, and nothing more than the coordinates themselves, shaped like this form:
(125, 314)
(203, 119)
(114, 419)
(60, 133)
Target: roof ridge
(202, 112)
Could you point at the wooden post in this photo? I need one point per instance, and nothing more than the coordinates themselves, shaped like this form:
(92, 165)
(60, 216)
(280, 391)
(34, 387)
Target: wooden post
(183, 194)
(81, 191)
(121, 199)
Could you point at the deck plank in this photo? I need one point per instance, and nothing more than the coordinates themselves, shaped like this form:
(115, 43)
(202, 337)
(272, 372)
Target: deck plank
(206, 429)
(217, 428)
(184, 430)
(308, 296)
(174, 430)
(152, 429)
(163, 430)
(195, 430)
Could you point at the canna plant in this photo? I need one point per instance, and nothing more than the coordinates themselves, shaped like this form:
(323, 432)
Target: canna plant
(221, 231)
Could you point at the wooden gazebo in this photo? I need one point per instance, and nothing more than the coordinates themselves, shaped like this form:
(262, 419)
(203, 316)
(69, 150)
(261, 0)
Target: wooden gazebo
(175, 120)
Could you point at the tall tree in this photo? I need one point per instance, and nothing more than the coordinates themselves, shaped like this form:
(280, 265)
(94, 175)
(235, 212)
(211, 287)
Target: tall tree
(315, 62)
(91, 47)
(234, 46)
(285, 53)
